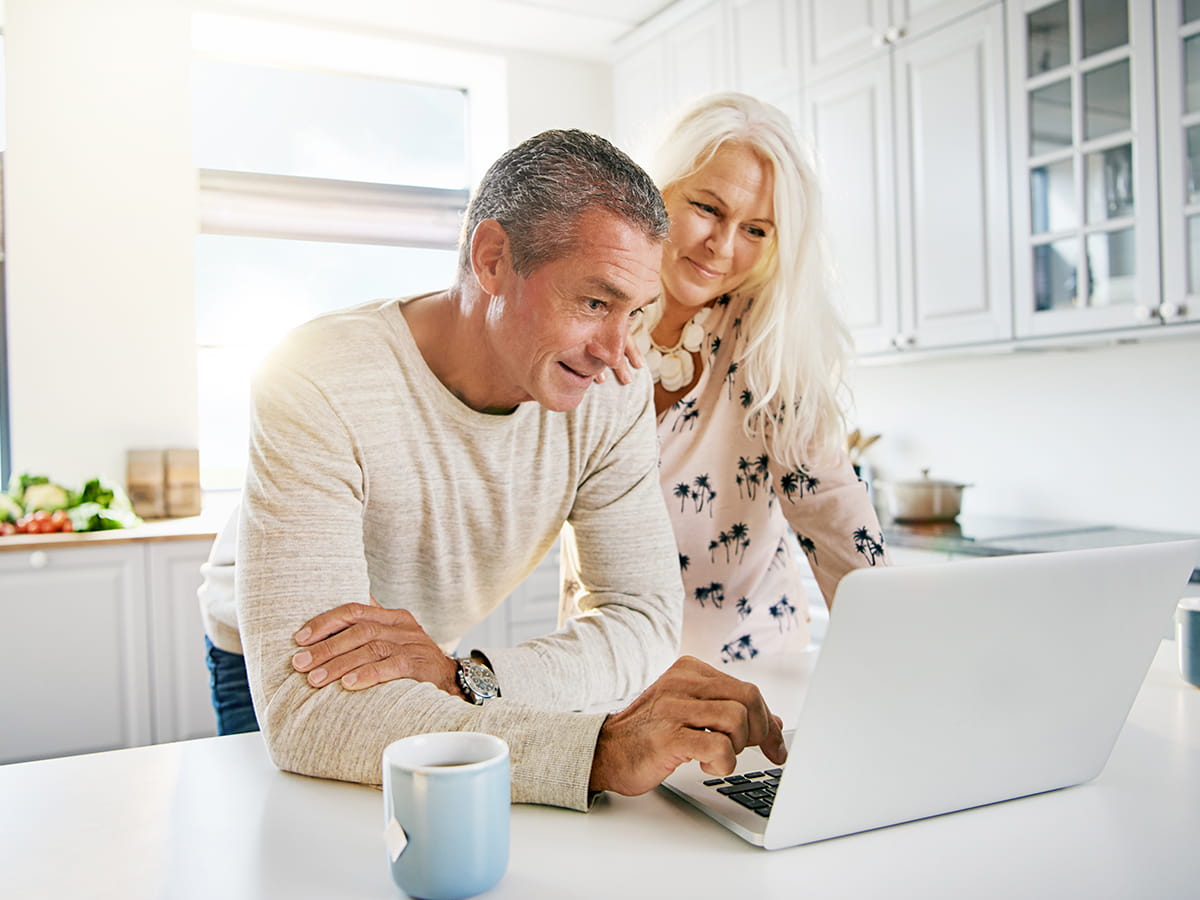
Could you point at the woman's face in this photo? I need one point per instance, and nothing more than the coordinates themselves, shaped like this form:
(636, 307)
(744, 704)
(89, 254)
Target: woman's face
(722, 221)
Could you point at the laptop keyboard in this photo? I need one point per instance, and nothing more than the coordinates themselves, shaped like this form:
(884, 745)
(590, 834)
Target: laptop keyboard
(754, 790)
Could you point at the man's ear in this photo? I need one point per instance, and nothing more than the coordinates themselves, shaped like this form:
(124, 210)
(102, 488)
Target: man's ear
(491, 257)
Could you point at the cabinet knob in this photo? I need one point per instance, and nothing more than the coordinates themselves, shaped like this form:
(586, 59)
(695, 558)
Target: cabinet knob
(38, 559)
(904, 341)
(880, 40)
(1169, 311)
(1142, 313)
(895, 33)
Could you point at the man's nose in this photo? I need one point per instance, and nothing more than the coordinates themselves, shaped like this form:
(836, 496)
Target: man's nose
(608, 344)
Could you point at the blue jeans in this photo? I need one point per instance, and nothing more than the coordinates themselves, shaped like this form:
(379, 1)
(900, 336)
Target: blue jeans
(230, 690)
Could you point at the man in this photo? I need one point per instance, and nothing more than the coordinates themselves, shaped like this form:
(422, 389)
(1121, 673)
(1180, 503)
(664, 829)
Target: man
(413, 461)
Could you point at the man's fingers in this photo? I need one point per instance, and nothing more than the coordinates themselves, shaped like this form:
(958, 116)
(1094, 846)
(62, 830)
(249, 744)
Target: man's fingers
(634, 354)
(623, 372)
(341, 617)
(345, 664)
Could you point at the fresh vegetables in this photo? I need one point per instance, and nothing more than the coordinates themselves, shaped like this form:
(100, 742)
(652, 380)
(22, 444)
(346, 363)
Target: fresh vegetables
(36, 505)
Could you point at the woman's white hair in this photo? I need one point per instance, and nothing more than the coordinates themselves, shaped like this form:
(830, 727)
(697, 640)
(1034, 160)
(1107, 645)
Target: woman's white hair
(795, 344)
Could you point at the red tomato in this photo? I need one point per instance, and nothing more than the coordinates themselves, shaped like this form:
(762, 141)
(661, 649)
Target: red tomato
(66, 525)
(41, 516)
(7, 528)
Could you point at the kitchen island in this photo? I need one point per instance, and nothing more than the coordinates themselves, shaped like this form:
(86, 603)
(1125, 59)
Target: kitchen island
(214, 818)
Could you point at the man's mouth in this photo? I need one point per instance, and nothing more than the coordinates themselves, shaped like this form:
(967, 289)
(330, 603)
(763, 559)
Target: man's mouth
(580, 375)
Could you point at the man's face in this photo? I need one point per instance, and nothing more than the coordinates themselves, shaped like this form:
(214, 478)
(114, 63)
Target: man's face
(556, 330)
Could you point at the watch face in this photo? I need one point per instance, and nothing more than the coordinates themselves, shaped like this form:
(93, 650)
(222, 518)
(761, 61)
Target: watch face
(479, 680)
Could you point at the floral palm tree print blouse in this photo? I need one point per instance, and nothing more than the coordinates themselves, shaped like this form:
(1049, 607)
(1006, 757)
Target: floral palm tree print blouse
(741, 517)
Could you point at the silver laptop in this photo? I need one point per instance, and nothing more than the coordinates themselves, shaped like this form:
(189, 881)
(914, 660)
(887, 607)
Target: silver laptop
(944, 687)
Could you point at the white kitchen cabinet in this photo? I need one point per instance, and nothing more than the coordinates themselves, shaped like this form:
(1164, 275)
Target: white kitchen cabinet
(641, 98)
(180, 692)
(842, 34)
(1178, 25)
(850, 119)
(765, 53)
(694, 48)
(1084, 154)
(678, 56)
(106, 646)
(913, 155)
(76, 656)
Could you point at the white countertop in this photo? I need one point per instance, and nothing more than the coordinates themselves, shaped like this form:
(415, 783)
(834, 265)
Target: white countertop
(213, 818)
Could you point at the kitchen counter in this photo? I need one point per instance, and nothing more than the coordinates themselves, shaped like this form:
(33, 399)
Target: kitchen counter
(206, 525)
(999, 535)
(213, 817)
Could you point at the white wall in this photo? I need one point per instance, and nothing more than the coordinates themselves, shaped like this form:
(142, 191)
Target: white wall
(99, 224)
(1106, 435)
(101, 212)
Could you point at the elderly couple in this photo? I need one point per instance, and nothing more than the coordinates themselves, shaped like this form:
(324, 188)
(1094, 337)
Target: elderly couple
(411, 461)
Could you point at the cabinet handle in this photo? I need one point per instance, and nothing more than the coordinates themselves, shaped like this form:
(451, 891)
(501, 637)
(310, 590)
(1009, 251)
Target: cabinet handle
(38, 559)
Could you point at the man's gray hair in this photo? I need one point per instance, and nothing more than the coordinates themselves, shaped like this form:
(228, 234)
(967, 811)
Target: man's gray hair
(539, 189)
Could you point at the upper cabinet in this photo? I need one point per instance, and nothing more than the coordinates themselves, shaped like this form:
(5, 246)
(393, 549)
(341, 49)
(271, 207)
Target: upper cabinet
(994, 170)
(766, 52)
(695, 48)
(679, 55)
(839, 34)
(913, 152)
(1179, 157)
(1085, 198)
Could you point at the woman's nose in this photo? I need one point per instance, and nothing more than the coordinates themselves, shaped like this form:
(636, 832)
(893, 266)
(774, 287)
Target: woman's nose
(720, 241)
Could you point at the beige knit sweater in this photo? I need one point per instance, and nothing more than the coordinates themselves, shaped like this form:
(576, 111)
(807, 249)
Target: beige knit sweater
(366, 475)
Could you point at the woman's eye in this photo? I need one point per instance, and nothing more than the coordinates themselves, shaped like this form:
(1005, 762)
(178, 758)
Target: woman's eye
(756, 232)
(705, 208)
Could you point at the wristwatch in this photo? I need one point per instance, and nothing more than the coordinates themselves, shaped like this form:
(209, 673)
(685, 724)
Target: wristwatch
(477, 680)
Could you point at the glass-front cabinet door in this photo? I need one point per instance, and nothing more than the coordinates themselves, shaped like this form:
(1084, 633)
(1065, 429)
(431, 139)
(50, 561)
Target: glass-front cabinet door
(1179, 152)
(1085, 209)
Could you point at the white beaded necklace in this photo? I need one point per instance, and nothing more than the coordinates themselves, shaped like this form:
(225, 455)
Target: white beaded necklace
(674, 367)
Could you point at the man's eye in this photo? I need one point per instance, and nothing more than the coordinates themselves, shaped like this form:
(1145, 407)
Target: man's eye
(596, 305)
(637, 312)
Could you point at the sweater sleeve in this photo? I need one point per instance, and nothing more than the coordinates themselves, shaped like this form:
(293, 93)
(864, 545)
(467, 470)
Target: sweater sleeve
(301, 552)
(829, 509)
(622, 605)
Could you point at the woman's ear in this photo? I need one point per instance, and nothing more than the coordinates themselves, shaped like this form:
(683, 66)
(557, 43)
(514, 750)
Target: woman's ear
(490, 256)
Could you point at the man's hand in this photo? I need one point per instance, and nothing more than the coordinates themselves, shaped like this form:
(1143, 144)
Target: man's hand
(691, 712)
(366, 645)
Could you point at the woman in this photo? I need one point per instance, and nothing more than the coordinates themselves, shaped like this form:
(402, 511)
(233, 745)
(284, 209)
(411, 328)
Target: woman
(747, 350)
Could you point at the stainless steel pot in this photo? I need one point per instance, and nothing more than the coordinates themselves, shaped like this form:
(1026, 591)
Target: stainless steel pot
(924, 500)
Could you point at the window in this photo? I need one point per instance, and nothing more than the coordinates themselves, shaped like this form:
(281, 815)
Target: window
(333, 170)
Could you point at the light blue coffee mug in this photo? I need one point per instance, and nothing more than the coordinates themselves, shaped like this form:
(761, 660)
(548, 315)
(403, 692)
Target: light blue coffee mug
(1187, 639)
(446, 803)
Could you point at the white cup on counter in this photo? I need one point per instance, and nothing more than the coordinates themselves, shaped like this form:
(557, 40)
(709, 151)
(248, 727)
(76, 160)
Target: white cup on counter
(1187, 639)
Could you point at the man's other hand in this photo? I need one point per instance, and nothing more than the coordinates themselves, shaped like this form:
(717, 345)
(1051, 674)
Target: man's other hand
(691, 712)
(364, 645)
